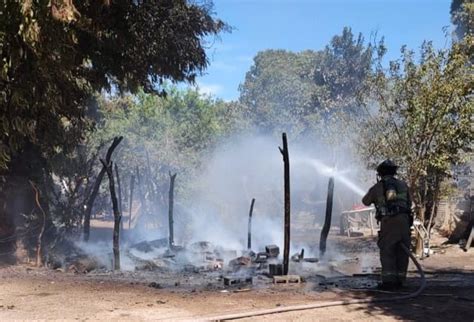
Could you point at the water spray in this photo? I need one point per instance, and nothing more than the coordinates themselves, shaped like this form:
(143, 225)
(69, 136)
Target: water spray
(328, 171)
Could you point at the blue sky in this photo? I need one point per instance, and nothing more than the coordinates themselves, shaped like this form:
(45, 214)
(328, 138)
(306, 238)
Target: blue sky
(298, 25)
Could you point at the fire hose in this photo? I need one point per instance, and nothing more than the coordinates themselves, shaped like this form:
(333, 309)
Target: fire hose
(332, 303)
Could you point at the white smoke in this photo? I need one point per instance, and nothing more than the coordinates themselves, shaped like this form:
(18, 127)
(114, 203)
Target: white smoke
(216, 206)
(251, 167)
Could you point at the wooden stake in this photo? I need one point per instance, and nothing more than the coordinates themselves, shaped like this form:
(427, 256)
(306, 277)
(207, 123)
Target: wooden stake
(119, 187)
(286, 163)
(117, 217)
(170, 209)
(132, 183)
(327, 219)
(249, 239)
(95, 190)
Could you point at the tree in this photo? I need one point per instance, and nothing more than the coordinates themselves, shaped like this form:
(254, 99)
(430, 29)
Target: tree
(277, 90)
(54, 57)
(308, 91)
(424, 119)
(56, 54)
(162, 134)
(462, 13)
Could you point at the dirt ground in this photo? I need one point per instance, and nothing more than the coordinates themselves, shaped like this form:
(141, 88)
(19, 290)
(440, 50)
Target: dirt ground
(28, 293)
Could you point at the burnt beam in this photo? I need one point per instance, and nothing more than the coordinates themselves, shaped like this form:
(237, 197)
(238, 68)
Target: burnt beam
(286, 174)
(249, 235)
(327, 218)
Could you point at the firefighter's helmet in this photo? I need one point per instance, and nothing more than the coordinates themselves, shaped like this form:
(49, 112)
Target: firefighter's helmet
(387, 167)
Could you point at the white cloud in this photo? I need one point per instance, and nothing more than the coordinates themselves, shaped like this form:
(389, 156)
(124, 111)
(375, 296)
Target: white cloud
(209, 89)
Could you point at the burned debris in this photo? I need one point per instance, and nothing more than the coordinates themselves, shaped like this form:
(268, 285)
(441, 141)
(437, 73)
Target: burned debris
(275, 269)
(272, 251)
(228, 266)
(148, 246)
(230, 281)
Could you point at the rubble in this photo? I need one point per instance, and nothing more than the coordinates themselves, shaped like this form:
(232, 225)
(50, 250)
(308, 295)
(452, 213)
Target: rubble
(287, 279)
(84, 265)
(148, 264)
(240, 261)
(233, 280)
(202, 246)
(148, 246)
(226, 253)
(272, 250)
(154, 285)
(275, 269)
(298, 257)
(261, 257)
(249, 253)
(169, 254)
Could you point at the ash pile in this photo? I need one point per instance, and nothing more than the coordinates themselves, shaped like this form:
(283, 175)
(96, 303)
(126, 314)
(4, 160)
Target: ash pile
(230, 267)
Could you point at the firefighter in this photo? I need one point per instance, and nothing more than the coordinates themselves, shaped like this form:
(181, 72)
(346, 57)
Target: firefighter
(393, 210)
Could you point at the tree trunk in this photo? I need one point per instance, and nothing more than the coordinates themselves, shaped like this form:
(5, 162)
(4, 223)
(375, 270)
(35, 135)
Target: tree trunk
(327, 219)
(117, 216)
(39, 250)
(95, 190)
(17, 202)
(132, 183)
(287, 197)
(170, 209)
(418, 237)
(249, 236)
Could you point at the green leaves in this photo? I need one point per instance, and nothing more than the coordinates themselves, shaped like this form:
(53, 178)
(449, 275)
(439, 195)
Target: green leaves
(56, 54)
(173, 132)
(310, 91)
(424, 114)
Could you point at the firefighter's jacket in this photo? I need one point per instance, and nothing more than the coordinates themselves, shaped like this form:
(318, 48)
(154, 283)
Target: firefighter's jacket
(390, 197)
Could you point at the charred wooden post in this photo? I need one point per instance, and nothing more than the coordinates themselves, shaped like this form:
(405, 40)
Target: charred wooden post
(119, 187)
(286, 163)
(95, 190)
(170, 209)
(132, 183)
(117, 217)
(249, 236)
(327, 219)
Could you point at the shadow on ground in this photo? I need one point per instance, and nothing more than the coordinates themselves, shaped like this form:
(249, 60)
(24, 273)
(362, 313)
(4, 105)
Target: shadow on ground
(449, 295)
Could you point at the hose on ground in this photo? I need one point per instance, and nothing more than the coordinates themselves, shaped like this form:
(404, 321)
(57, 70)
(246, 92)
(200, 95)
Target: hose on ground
(333, 303)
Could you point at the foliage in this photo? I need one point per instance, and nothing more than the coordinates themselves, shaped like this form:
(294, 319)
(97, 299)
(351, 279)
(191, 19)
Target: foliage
(277, 90)
(462, 17)
(307, 91)
(55, 54)
(162, 134)
(424, 118)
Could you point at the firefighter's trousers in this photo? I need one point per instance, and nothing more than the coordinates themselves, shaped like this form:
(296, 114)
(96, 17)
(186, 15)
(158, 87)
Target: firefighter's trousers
(394, 231)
